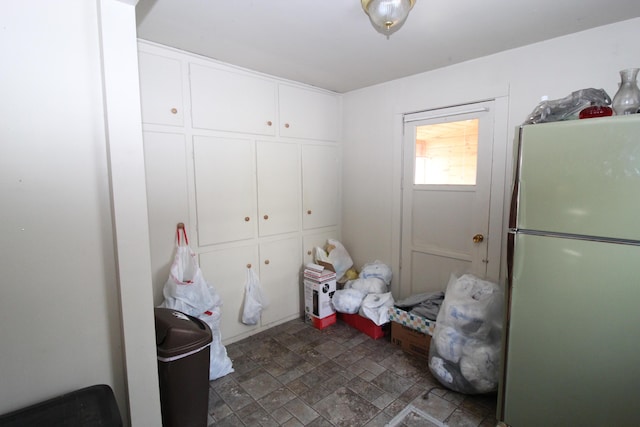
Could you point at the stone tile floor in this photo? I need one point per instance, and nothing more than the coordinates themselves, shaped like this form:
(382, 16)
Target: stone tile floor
(296, 375)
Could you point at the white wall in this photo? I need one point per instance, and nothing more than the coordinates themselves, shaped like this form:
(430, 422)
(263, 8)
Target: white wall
(60, 306)
(372, 127)
(59, 303)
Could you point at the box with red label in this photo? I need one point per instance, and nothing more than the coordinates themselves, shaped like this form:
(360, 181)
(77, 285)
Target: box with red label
(317, 298)
(319, 287)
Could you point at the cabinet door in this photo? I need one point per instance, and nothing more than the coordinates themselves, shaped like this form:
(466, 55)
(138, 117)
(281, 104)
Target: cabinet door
(225, 189)
(305, 113)
(226, 271)
(310, 241)
(165, 165)
(278, 187)
(280, 267)
(160, 89)
(230, 101)
(320, 192)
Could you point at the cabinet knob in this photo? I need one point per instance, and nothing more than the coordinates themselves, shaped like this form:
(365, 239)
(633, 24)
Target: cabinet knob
(174, 111)
(266, 217)
(269, 123)
(246, 218)
(248, 265)
(308, 252)
(309, 212)
(286, 125)
(266, 261)
(478, 238)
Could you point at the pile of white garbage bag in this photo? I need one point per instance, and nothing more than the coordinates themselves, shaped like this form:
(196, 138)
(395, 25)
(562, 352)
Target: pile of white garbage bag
(368, 295)
(465, 349)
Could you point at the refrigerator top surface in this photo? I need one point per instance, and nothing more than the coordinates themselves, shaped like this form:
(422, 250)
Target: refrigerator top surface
(581, 177)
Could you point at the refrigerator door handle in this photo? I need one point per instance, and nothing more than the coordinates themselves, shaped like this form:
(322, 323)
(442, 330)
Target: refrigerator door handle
(515, 193)
(511, 243)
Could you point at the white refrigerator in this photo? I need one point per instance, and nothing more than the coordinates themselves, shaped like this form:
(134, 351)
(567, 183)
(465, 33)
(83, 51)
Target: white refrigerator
(572, 342)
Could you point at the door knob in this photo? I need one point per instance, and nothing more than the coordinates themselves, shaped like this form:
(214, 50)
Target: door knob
(478, 238)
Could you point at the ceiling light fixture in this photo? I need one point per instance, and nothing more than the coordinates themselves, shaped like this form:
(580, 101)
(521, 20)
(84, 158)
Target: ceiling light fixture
(387, 16)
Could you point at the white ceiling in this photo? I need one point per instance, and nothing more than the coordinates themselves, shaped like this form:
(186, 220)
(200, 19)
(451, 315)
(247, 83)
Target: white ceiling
(331, 43)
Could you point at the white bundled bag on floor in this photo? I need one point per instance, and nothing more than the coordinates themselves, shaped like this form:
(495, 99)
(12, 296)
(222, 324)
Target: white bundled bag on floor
(254, 299)
(376, 307)
(370, 285)
(187, 291)
(347, 300)
(378, 270)
(465, 350)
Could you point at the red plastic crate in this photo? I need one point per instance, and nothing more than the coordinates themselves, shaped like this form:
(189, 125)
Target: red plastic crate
(364, 325)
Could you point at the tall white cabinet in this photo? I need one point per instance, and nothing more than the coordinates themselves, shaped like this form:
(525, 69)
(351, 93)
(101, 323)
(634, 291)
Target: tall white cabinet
(251, 164)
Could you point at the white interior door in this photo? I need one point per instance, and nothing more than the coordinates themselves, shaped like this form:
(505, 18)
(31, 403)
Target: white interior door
(446, 196)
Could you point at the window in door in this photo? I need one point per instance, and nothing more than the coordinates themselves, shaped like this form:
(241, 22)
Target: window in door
(447, 153)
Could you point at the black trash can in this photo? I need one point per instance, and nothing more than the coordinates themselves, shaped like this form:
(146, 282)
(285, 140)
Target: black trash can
(183, 344)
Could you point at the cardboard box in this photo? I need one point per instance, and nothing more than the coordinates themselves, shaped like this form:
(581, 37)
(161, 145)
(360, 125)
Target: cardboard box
(410, 340)
(317, 298)
(413, 321)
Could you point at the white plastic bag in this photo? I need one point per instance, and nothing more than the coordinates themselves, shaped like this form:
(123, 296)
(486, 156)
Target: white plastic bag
(254, 299)
(376, 307)
(186, 290)
(337, 256)
(377, 269)
(370, 285)
(465, 350)
(219, 362)
(348, 300)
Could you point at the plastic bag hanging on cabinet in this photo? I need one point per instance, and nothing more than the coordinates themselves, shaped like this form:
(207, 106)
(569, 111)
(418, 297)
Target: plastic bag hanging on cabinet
(186, 289)
(254, 299)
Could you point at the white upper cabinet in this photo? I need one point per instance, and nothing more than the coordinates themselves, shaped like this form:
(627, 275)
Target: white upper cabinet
(225, 186)
(320, 186)
(308, 114)
(161, 90)
(278, 171)
(232, 101)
